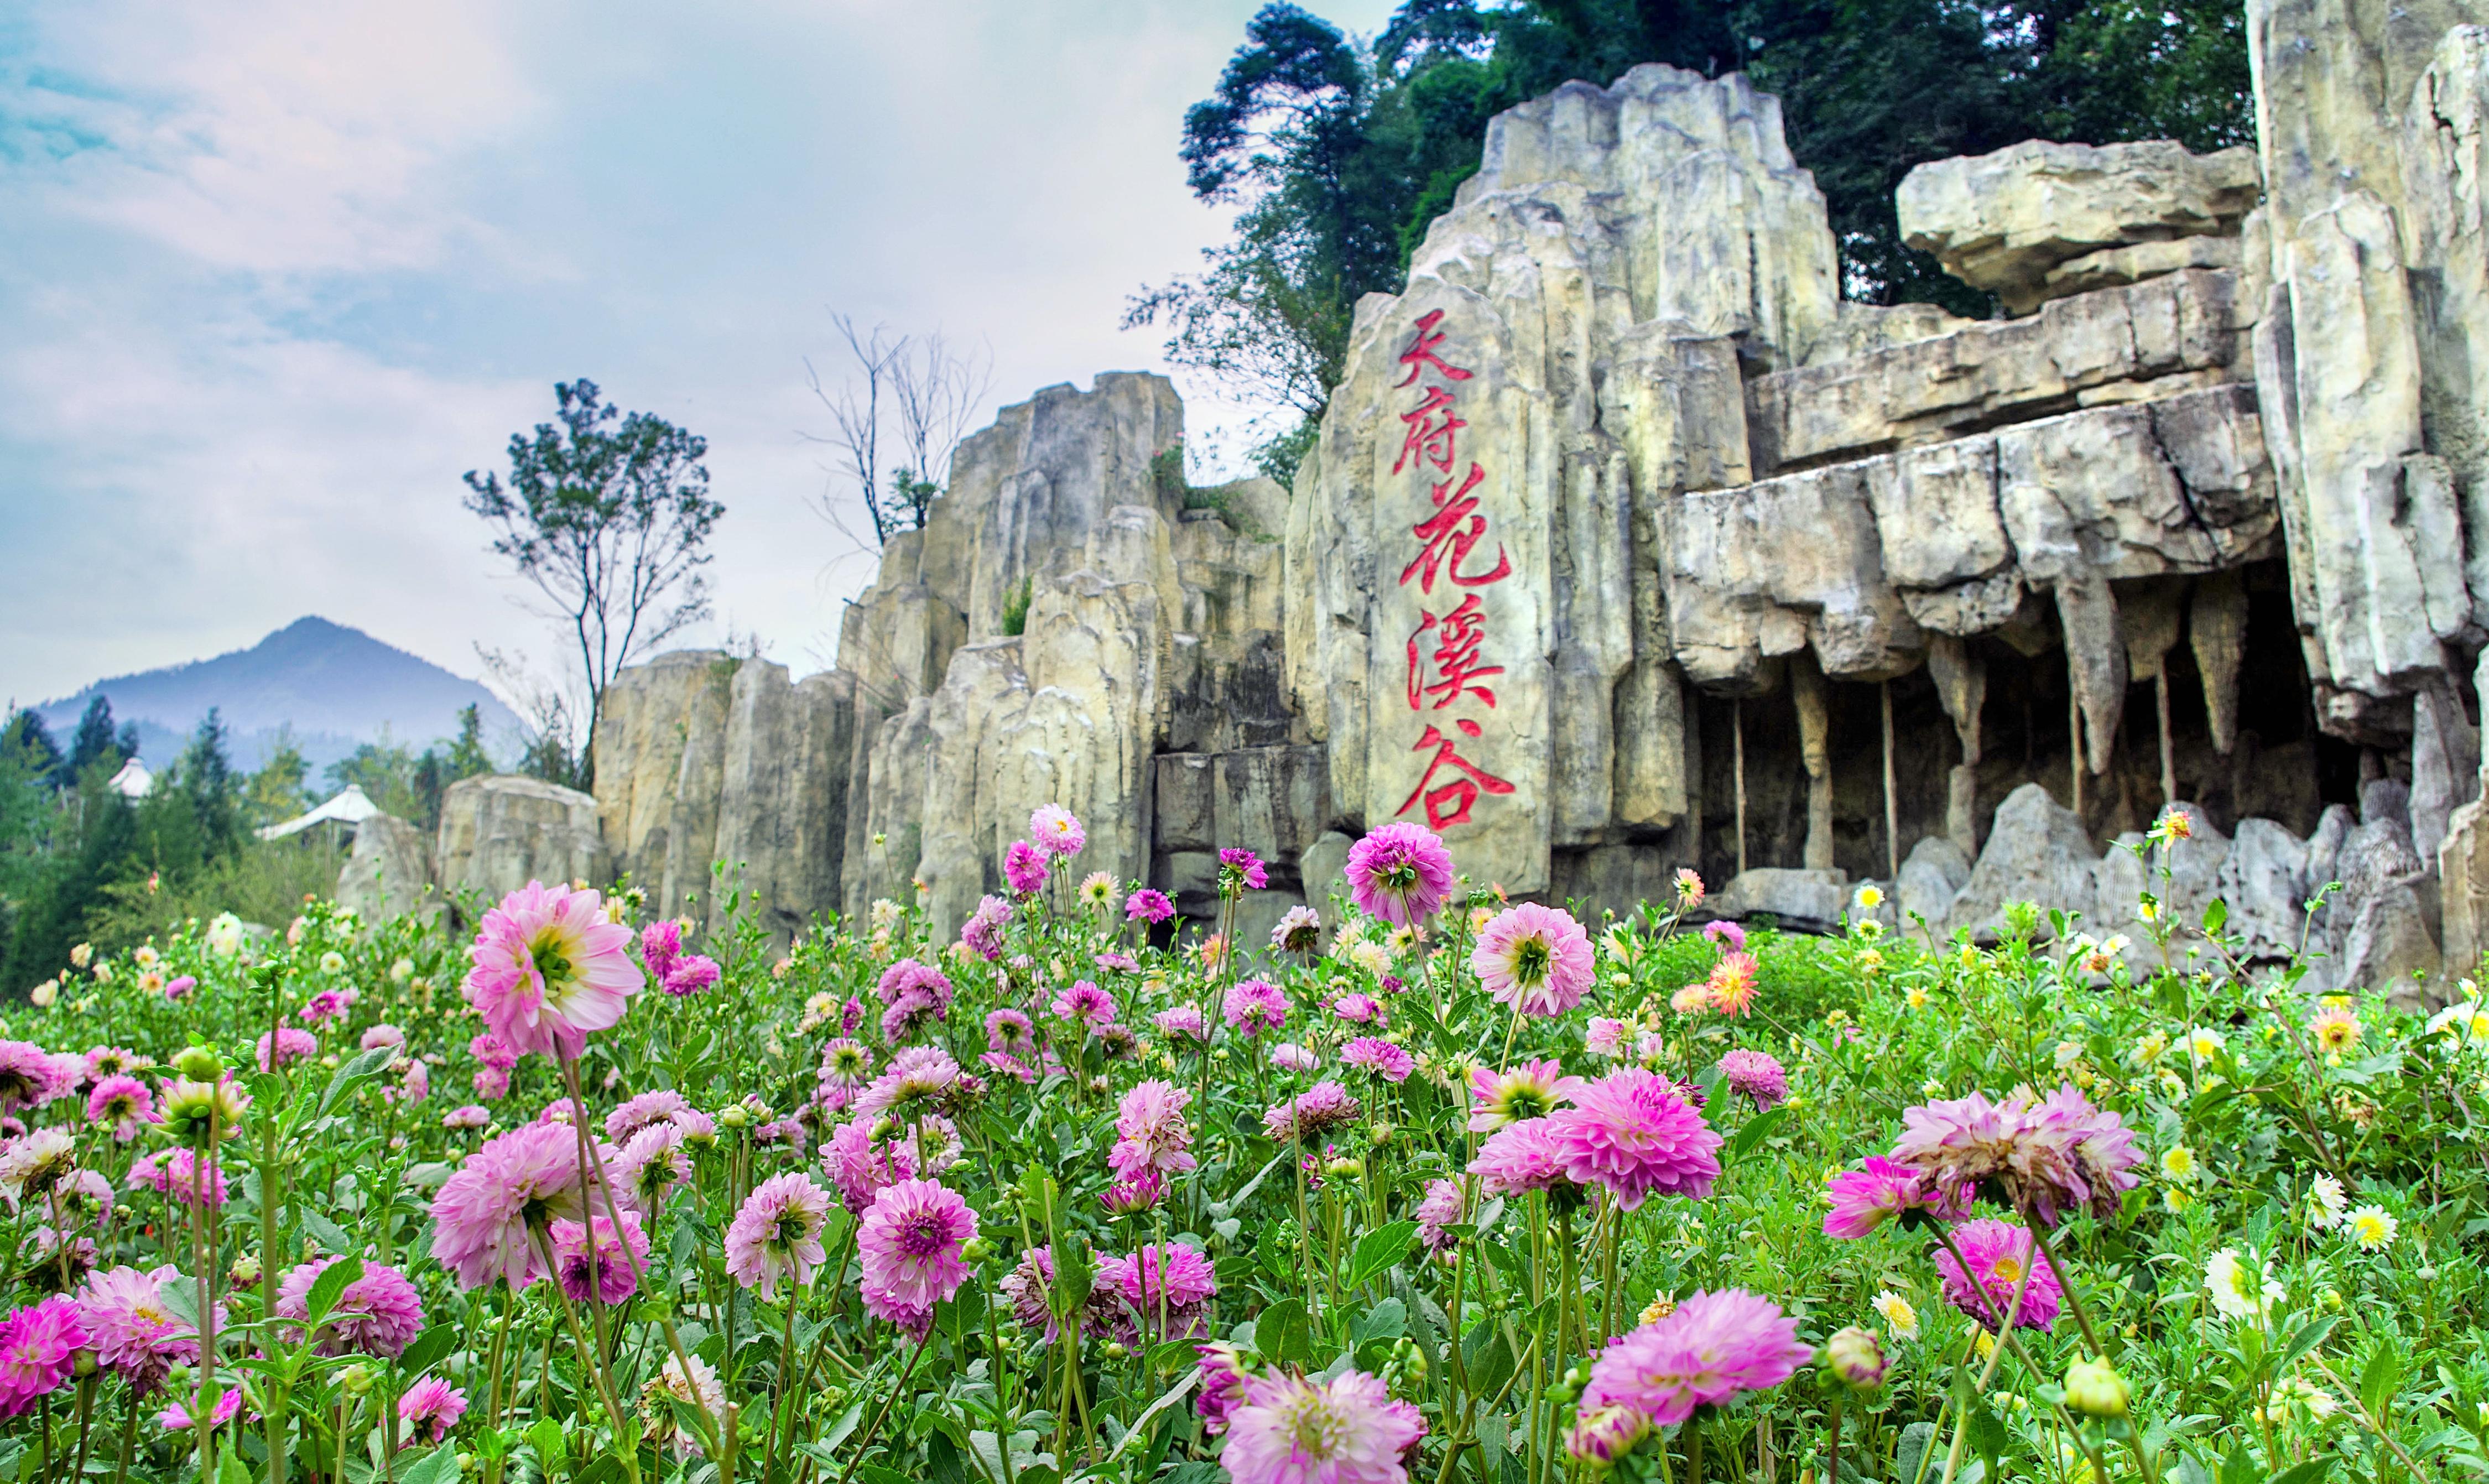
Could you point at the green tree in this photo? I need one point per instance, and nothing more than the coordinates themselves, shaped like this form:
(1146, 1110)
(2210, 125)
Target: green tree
(280, 788)
(385, 770)
(206, 779)
(92, 740)
(1340, 155)
(609, 518)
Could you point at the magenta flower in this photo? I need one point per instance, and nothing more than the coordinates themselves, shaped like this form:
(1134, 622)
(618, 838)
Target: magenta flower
(861, 1168)
(637, 1112)
(178, 988)
(909, 1246)
(29, 1077)
(1183, 1022)
(1602, 1435)
(1526, 1089)
(1175, 1275)
(1311, 1114)
(919, 1074)
(1864, 1199)
(1009, 1030)
(1714, 1345)
(491, 1084)
(691, 974)
(1758, 1074)
(327, 1005)
(1443, 1207)
(1526, 1155)
(661, 943)
(1386, 1059)
(493, 1051)
(132, 1329)
(485, 1215)
(176, 1419)
(1056, 832)
(1149, 905)
(37, 1346)
(120, 1102)
(1254, 1006)
(1999, 1254)
(1151, 1132)
(1222, 1386)
(1634, 1132)
(1241, 869)
(1024, 868)
(603, 1267)
(430, 1408)
(549, 969)
(1292, 1430)
(379, 1314)
(179, 1175)
(981, 935)
(778, 1234)
(1730, 937)
(1135, 1192)
(1534, 958)
(906, 977)
(1085, 1001)
(1400, 873)
(1358, 1009)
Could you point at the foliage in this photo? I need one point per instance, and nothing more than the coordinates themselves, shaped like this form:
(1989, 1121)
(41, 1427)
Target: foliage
(2288, 1291)
(609, 518)
(1340, 154)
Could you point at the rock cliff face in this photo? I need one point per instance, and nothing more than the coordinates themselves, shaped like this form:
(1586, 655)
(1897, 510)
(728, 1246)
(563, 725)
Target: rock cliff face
(1627, 544)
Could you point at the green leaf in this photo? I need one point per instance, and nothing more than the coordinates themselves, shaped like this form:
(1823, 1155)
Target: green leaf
(1910, 1453)
(181, 1297)
(1385, 1321)
(329, 1234)
(327, 1288)
(2376, 1383)
(2217, 912)
(2307, 1473)
(365, 1066)
(1378, 1252)
(1486, 1358)
(1494, 1433)
(428, 1349)
(438, 1467)
(2310, 1336)
(1754, 1131)
(1282, 1333)
(231, 1470)
(875, 1473)
(546, 1439)
(1074, 1273)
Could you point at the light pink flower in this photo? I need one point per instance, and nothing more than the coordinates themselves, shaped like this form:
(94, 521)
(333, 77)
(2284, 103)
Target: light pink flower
(1307, 1117)
(430, 1408)
(123, 1103)
(1292, 1430)
(1183, 1022)
(549, 969)
(134, 1330)
(1714, 1345)
(1399, 873)
(1534, 958)
(1299, 932)
(487, 1213)
(908, 1245)
(1728, 934)
(1758, 1074)
(778, 1233)
(1175, 1273)
(661, 943)
(1635, 1133)
(1085, 1001)
(379, 1314)
(691, 974)
(1056, 832)
(656, 1106)
(1609, 1038)
(1255, 1005)
(1443, 1207)
(1520, 1157)
(1386, 1059)
(382, 1035)
(2045, 1157)
(176, 1419)
(1151, 1132)
(1524, 1090)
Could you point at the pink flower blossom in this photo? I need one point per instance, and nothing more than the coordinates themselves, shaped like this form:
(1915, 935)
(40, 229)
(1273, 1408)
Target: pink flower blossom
(1443, 1207)
(1175, 1274)
(1521, 1156)
(1241, 869)
(1299, 930)
(661, 943)
(1609, 1038)
(37, 1346)
(1151, 1132)
(549, 969)
(1758, 1074)
(603, 1269)
(1386, 1059)
(691, 973)
(378, 1314)
(1734, 982)
(1288, 1056)
(1056, 832)
(860, 1167)
(493, 1051)
(1635, 1133)
(655, 1107)
(908, 1245)
(1255, 1005)
(327, 1005)
(430, 1408)
(1524, 1090)
(1534, 958)
(1085, 1001)
(123, 1103)
(491, 1084)
(653, 1164)
(1183, 1022)
(1149, 904)
(1222, 1386)
(134, 1330)
(29, 1077)
(1358, 1009)
(292, 1045)
(919, 1074)
(1864, 1199)
(1009, 1030)
(2044, 1157)
(1024, 868)
(1728, 934)
(778, 1234)
(473, 1115)
(178, 988)
(176, 1419)
(1292, 1430)
(1307, 1117)
(1400, 873)
(981, 935)
(1999, 1254)
(177, 1175)
(381, 1035)
(1714, 1346)
(485, 1215)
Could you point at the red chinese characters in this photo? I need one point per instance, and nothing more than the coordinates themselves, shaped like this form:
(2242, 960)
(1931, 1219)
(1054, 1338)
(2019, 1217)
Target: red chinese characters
(1447, 653)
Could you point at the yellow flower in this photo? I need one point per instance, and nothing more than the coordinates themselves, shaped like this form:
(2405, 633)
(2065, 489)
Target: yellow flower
(1899, 1317)
(2373, 1227)
(1657, 1309)
(1871, 896)
(2176, 1200)
(2179, 1163)
(1917, 998)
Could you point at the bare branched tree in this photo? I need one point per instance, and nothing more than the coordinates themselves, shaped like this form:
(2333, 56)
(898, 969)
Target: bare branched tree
(919, 391)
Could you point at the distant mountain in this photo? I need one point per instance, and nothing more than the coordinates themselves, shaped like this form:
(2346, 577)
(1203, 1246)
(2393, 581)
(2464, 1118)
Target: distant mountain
(335, 686)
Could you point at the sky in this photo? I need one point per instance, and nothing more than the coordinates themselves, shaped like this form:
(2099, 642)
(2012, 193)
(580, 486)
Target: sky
(275, 274)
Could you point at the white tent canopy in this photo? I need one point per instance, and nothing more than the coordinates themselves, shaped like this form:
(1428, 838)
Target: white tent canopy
(133, 781)
(352, 807)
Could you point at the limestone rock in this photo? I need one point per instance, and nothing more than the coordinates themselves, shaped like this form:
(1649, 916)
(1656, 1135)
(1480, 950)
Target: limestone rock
(646, 798)
(2388, 947)
(2002, 221)
(2445, 765)
(2463, 877)
(2264, 881)
(1932, 874)
(782, 796)
(1324, 867)
(389, 873)
(2111, 267)
(1803, 900)
(2037, 850)
(501, 831)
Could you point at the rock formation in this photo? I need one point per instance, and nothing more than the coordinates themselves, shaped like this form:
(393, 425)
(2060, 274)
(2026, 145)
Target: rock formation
(1627, 543)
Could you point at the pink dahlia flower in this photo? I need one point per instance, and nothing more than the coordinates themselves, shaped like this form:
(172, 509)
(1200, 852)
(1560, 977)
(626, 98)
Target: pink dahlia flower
(908, 977)
(482, 1218)
(177, 1175)
(916, 1074)
(908, 1245)
(1524, 1091)
(1609, 1038)
(493, 1051)
(1728, 934)
(1400, 873)
(1024, 868)
(1634, 1132)
(1443, 1207)
(651, 1166)
(1534, 958)
(1299, 930)
(132, 1329)
(1184, 1022)
(178, 988)
(661, 943)
(549, 969)
(1311, 1114)
(1151, 1132)
(1758, 1074)
(1386, 1059)
(981, 935)
(1288, 1056)
(1056, 832)
(379, 1314)
(2042, 1157)
(860, 1167)
(38, 1347)
(120, 1102)
(381, 1035)
(176, 1419)
(29, 1077)
(641, 1109)
(1149, 905)
(430, 1408)
(473, 1115)
(1527, 1156)
(1009, 1030)
(1292, 1430)
(1602, 1435)
(1222, 1386)
(1358, 1009)
(1999, 1254)
(778, 1233)
(1254, 1006)
(1864, 1199)
(1175, 1275)
(1714, 1346)
(1085, 1001)
(600, 1266)
(327, 1005)
(1240, 868)
(691, 974)
(104, 1062)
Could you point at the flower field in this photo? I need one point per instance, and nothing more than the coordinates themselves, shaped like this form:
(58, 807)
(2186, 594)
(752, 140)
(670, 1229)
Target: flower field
(1428, 1187)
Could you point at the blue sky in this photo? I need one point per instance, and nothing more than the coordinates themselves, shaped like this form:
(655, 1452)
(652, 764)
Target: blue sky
(275, 274)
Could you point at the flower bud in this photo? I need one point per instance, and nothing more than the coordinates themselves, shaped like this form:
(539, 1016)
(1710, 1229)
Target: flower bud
(1343, 1168)
(245, 1272)
(1854, 1355)
(733, 1116)
(2095, 1388)
(976, 1250)
(1115, 1350)
(199, 1064)
(355, 1380)
(1600, 1438)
